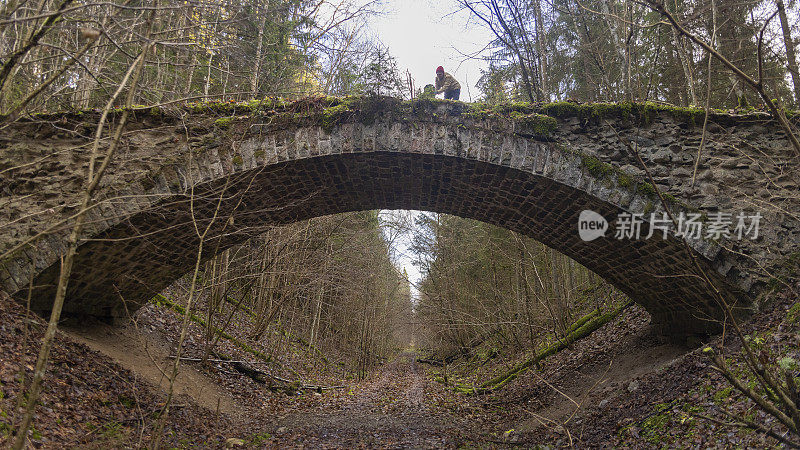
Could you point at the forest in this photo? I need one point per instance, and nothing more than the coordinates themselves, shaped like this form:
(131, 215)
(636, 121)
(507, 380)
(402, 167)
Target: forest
(313, 333)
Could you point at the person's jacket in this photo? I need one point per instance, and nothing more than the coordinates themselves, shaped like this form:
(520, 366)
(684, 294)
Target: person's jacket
(446, 83)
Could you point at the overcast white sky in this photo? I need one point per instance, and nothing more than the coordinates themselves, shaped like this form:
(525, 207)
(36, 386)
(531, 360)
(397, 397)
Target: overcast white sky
(424, 34)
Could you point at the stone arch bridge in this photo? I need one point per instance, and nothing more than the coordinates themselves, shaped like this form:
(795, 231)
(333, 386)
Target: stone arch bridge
(234, 168)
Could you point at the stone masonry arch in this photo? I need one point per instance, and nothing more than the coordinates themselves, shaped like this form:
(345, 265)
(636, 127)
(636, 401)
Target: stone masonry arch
(529, 171)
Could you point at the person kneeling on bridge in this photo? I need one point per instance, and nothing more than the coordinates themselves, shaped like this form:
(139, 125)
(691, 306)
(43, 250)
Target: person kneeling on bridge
(445, 83)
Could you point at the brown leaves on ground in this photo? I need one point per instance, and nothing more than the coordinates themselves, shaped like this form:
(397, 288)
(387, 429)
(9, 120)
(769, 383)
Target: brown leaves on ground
(622, 386)
(88, 401)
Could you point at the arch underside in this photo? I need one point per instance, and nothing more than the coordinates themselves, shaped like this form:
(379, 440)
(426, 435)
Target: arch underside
(142, 255)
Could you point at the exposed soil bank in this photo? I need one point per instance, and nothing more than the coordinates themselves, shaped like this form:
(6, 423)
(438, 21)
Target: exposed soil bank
(147, 355)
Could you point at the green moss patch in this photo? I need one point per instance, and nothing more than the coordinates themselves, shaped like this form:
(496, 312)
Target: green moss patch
(793, 315)
(224, 122)
(531, 118)
(534, 124)
(596, 167)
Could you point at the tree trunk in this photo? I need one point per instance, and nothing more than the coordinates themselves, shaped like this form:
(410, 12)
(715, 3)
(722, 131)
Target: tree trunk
(790, 53)
(687, 71)
(259, 51)
(523, 279)
(318, 306)
(208, 77)
(540, 49)
(621, 52)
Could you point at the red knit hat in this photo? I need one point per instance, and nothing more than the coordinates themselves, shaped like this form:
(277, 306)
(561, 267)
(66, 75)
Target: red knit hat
(439, 69)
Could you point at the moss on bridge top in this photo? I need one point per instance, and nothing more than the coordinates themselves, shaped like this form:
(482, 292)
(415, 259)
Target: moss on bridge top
(536, 119)
(539, 117)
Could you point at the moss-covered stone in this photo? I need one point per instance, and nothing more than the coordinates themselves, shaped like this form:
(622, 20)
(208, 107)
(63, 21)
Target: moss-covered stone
(562, 109)
(329, 111)
(670, 198)
(624, 180)
(522, 117)
(486, 111)
(534, 124)
(224, 122)
(596, 167)
(333, 115)
(646, 189)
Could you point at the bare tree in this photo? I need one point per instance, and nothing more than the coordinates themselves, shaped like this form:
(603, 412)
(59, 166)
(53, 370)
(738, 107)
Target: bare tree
(757, 84)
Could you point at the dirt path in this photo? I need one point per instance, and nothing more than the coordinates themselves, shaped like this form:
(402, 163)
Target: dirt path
(390, 411)
(400, 406)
